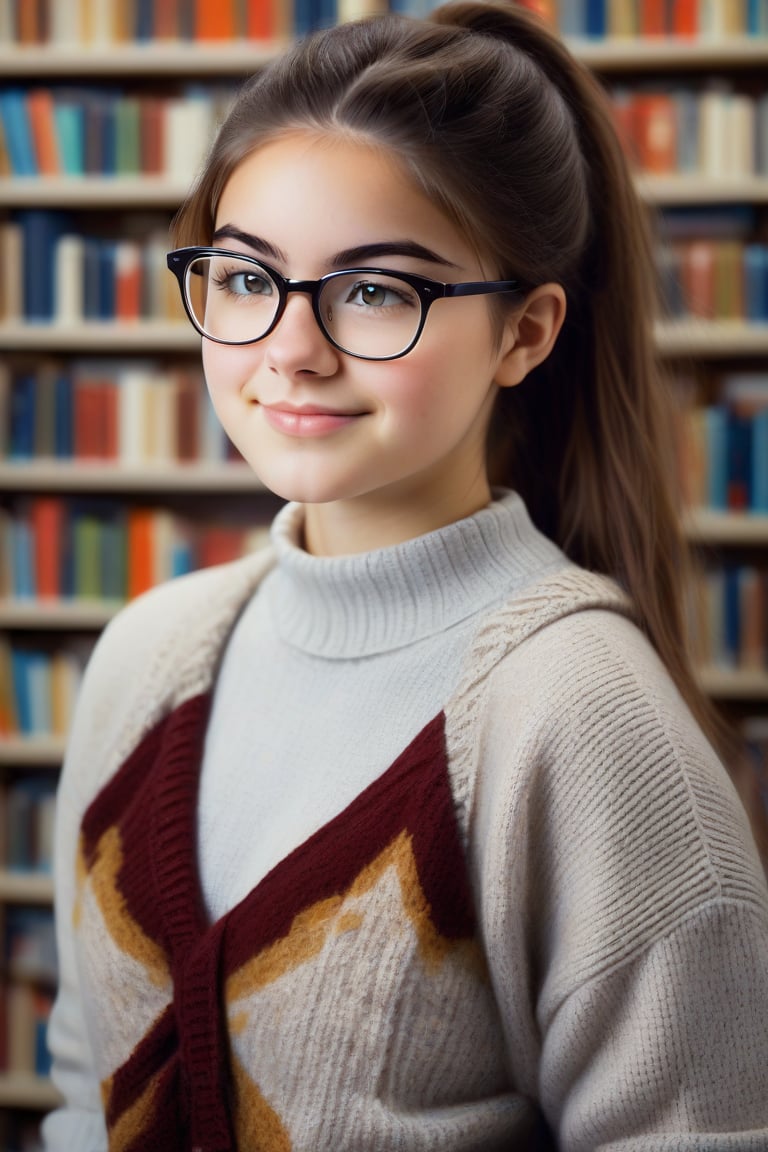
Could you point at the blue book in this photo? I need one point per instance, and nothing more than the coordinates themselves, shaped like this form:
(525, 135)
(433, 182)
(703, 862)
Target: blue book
(732, 616)
(144, 25)
(21, 433)
(107, 285)
(21, 690)
(91, 278)
(757, 17)
(17, 132)
(69, 119)
(22, 559)
(739, 462)
(756, 282)
(63, 416)
(304, 16)
(716, 434)
(572, 18)
(327, 14)
(595, 18)
(41, 231)
(760, 461)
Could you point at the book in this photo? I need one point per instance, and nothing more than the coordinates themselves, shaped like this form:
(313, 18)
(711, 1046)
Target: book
(16, 132)
(42, 125)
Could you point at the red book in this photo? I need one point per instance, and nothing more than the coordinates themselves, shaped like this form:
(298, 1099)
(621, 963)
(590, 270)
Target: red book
(215, 20)
(152, 135)
(187, 397)
(141, 563)
(260, 24)
(43, 130)
(165, 20)
(653, 18)
(655, 132)
(685, 17)
(95, 420)
(46, 517)
(127, 282)
(698, 278)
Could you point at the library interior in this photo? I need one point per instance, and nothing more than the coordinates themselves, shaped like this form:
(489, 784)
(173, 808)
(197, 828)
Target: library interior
(114, 473)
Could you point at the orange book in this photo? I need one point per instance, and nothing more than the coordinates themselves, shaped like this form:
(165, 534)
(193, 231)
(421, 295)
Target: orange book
(127, 282)
(141, 559)
(219, 545)
(152, 135)
(165, 20)
(30, 22)
(43, 129)
(653, 18)
(215, 20)
(260, 23)
(95, 420)
(698, 278)
(655, 131)
(187, 397)
(685, 17)
(46, 517)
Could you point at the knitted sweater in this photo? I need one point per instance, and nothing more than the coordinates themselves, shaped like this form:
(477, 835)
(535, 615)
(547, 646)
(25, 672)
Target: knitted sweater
(542, 921)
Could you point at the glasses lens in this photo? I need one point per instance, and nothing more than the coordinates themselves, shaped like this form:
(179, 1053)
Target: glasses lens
(370, 314)
(232, 298)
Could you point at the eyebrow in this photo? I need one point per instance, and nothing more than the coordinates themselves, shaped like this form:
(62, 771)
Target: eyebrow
(347, 258)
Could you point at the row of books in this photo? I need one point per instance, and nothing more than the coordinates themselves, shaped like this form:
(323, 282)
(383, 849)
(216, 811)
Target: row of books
(630, 18)
(729, 617)
(715, 279)
(27, 806)
(50, 272)
(102, 549)
(26, 994)
(101, 132)
(107, 21)
(87, 22)
(38, 687)
(714, 132)
(130, 412)
(723, 447)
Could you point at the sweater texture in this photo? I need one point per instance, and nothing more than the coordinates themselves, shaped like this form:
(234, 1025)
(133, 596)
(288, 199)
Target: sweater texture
(418, 849)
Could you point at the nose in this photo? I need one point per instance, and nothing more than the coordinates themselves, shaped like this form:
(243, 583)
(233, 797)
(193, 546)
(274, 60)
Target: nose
(297, 344)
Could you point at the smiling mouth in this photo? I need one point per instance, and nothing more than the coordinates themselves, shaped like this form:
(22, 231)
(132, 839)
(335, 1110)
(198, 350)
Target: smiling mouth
(308, 420)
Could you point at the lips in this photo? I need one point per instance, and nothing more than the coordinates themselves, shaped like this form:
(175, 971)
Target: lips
(307, 420)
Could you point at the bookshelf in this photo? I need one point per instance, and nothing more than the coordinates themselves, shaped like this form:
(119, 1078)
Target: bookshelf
(167, 66)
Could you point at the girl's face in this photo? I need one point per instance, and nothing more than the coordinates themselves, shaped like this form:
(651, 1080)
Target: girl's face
(380, 451)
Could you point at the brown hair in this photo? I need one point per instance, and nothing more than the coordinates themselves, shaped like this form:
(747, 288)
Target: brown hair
(513, 138)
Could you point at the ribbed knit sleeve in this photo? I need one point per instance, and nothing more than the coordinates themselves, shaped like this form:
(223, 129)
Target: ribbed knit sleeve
(623, 907)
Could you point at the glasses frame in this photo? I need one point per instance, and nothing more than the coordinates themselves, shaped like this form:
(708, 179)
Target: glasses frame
(427, 291)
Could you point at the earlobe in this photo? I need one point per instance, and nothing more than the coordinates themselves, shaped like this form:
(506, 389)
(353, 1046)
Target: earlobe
(530, 334)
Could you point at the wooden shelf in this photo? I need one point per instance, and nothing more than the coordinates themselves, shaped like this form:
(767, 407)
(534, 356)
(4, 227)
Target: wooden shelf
(735, 684)
(707, 526)
(668, 53)
(694, 188)
(93, 191)
(726, 338)
(32, 752)
(162, 59)
(91, 476)
(75, 615)
(107, 336)
(25, 1090)
(26, 887)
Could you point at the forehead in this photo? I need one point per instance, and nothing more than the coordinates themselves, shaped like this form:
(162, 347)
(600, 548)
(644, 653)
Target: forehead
(312, 195)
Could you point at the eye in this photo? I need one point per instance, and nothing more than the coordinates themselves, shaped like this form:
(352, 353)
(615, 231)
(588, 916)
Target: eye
(368, 293)
(244, 282)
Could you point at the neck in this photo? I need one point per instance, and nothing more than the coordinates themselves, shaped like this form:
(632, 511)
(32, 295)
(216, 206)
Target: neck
(383, 519)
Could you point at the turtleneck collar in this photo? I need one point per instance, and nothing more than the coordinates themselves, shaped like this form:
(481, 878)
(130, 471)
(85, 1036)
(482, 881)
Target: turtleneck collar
(353, 606)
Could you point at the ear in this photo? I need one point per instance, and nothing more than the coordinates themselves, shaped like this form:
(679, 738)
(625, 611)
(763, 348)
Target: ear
(529, 335)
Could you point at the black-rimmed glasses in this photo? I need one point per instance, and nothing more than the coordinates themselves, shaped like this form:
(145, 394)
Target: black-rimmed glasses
(371, 313)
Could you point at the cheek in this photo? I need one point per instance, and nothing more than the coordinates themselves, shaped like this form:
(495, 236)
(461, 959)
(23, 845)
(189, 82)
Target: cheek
(226, 369)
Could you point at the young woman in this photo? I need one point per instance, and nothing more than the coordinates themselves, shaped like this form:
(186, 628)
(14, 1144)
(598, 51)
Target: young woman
(405, 834)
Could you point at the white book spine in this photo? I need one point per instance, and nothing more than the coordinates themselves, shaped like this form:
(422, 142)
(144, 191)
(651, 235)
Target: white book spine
(68, 280)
